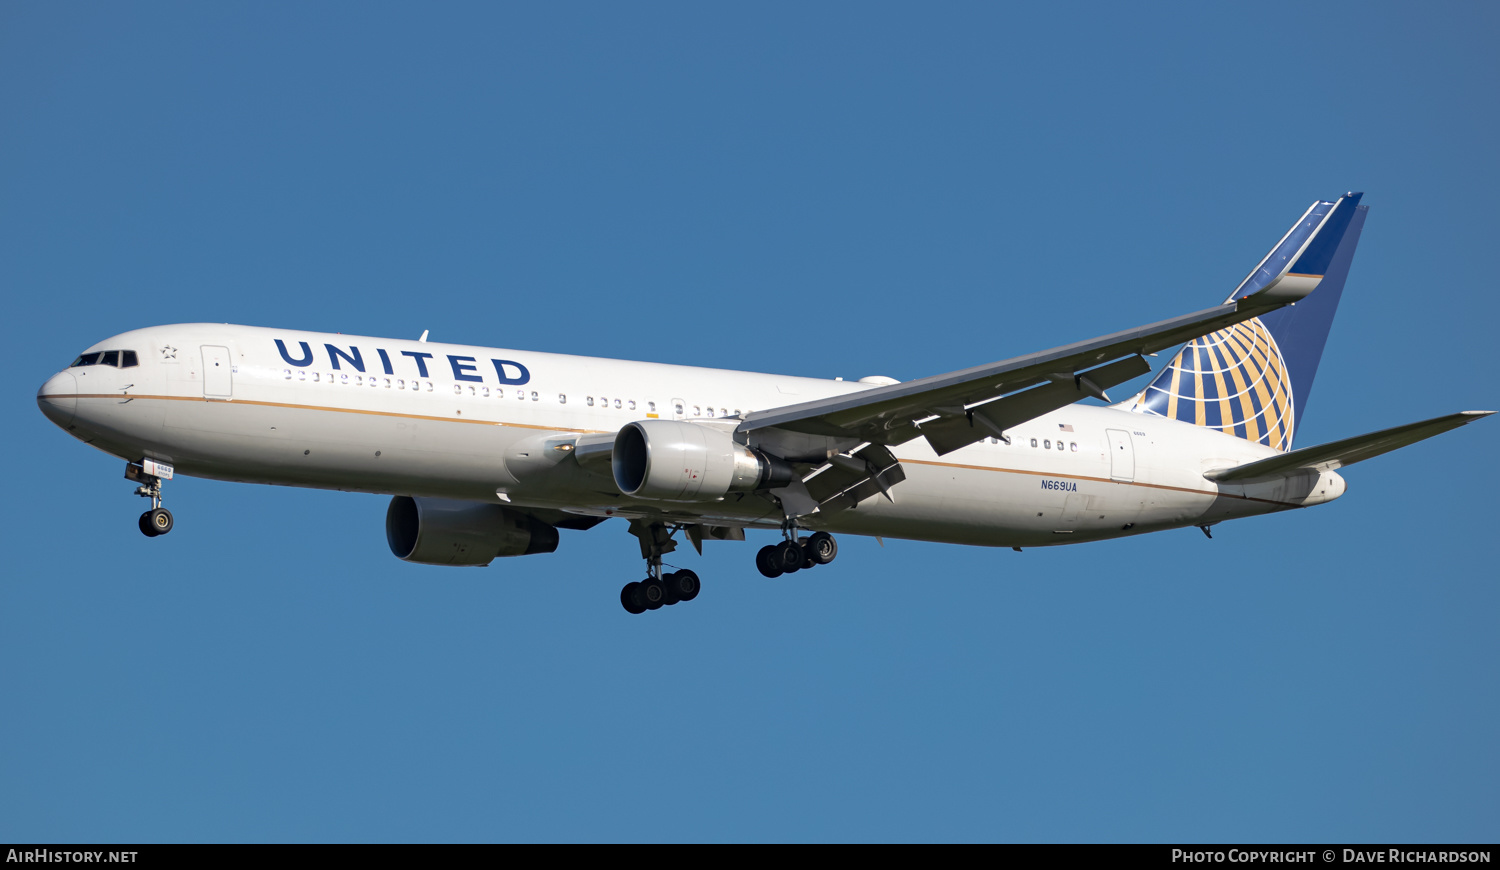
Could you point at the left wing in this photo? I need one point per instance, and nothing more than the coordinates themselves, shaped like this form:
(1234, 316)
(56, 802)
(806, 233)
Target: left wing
(987, 400)
(960, 408)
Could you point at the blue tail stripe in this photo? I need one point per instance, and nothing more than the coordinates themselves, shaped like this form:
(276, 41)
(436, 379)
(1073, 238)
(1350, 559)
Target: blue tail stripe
(1301, 330)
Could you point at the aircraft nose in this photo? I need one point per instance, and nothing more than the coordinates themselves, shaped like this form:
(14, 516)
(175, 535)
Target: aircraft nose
(58, 398)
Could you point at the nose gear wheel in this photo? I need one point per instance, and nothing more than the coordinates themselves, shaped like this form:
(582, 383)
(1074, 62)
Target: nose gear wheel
(157, 521)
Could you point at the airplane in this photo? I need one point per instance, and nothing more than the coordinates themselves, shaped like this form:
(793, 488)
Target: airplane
(489, 453)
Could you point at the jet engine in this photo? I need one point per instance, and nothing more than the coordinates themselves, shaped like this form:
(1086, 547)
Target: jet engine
(672, 460)
(438, 531)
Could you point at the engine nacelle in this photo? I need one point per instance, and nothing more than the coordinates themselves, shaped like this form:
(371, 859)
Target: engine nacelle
(438, 531)
(672, 460)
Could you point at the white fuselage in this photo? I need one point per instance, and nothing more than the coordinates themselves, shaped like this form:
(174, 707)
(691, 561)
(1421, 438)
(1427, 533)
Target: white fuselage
(424, 419)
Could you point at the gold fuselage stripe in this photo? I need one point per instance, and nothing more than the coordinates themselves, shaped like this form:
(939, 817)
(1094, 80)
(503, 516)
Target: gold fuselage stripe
(994, 468)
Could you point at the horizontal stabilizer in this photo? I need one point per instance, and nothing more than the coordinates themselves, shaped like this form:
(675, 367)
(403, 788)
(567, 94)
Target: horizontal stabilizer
(1335, 455)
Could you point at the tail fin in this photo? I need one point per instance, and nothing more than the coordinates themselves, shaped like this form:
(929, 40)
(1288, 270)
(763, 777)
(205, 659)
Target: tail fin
(1252, 379)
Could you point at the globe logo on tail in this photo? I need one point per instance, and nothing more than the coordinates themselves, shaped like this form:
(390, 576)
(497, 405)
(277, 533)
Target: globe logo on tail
(1234, 380)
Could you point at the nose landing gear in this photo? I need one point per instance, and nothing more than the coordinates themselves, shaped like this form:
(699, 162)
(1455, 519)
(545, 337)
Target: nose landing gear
(157, 521)
(149, 474)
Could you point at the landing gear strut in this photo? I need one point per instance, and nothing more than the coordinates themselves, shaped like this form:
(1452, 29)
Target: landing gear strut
(158, 520)
(658, 589)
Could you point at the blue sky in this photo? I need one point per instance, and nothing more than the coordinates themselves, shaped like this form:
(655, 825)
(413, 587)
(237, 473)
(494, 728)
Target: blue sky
(835, 190)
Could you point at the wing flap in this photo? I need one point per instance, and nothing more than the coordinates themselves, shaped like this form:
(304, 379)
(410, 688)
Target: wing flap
(1337, 454)
(953, 431)
(847, 480)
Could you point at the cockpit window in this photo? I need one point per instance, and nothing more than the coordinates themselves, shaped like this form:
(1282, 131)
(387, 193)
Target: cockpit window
(120, 358)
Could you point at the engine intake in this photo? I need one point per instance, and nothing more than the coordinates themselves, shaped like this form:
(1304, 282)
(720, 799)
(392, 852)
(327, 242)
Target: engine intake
(671, 460)
(439, 531)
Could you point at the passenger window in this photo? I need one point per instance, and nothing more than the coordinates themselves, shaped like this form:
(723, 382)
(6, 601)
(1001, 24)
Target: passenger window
(562, 398)
(533, 395)
(1059, 445)
(457, 389)
(589, 401)
(630, 404)
(737, 412)
(128, 359)
(617, 404)
(301, 374)
(400, 383)
(1073, 446)
(343, 379)
(710, 412)
(697, 411)
(429, 385)
(499, 393)
(1033, 442)
(287, 373)
(651, 406)
(484, 392)
(1047, 445)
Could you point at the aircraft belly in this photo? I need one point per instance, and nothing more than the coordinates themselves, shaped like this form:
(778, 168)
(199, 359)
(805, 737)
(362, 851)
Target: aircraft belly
(363, 452)
(997, 507)
(118, 425)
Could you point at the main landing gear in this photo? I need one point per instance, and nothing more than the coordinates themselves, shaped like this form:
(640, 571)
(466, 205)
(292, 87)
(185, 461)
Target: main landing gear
(794, 555)
(662, 589)
(658, 589)
(158, 520)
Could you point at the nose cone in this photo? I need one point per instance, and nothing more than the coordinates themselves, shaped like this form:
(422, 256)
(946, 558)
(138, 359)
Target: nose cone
(58, 398)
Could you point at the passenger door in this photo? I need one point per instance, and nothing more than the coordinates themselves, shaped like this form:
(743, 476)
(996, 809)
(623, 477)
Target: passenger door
(1121, 455)
(218, 377)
